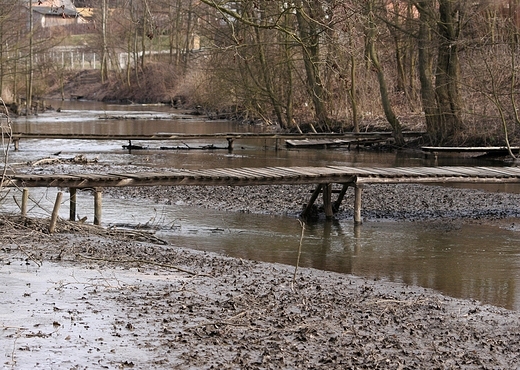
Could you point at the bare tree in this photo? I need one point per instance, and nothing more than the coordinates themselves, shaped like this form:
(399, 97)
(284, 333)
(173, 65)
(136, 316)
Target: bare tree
(371, 33)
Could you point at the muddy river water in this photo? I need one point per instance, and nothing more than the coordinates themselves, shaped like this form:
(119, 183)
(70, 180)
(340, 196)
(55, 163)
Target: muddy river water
(475, 261)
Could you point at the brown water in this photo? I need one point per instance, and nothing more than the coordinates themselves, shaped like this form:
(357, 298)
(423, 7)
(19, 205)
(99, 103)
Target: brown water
(473, 261)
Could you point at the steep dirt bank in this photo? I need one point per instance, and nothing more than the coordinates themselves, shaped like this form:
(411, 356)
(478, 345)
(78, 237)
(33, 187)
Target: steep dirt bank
(156, 85)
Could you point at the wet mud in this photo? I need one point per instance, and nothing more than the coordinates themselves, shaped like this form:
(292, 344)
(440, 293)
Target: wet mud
(87, 297)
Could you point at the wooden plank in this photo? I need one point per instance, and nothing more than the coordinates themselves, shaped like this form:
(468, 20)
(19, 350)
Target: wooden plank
(408, 172)
(242, 175)
(382, 171)
(281, 172)
(440, 171)
(210, 172)
(353, 170)
(251, 174)
(319, 171)
(437, 180)
(474, 149)
(264, 173)
(465, 171)
(260, 175)
(344, 170)
(170, 175)
(450, 171)
(503, 171)
(300, 171)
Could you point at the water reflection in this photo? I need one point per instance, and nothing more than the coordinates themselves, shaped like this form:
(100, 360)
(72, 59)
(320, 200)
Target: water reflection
(470, 261)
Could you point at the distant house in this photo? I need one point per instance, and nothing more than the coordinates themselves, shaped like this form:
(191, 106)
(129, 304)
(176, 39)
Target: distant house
(52, 13)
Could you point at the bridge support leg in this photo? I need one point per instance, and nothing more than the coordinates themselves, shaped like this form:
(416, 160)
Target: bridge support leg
(327, 203)
(230, 141)
(73, 204)
(97, 205)
(341, 195)
(16, 143)
(357, 205)
(306, 212)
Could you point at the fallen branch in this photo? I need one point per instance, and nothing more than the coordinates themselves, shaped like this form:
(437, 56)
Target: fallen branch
(159, 264)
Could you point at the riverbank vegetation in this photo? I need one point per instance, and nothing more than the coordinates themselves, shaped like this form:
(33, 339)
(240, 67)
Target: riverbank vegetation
(448, 66)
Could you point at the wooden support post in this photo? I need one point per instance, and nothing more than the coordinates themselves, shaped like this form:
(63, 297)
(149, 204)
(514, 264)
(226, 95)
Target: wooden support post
(230, 141)
(54, 216)
(72, 212)
(327, 201)
(357, 205)
(25, 200)
(16, 143)
(305, 214)
(337, 203)
(129, 146)
(97, 205)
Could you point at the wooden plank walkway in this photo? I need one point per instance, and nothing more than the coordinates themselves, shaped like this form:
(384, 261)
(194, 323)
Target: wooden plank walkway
(321, 176)
(492, 150)
(273, 176)
(230, 137)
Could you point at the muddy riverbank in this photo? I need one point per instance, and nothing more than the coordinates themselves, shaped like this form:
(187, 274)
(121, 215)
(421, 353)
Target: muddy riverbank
(87, 297)
(90, 297)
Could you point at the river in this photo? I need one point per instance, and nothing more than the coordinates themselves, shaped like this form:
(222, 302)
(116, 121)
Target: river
(475, 261)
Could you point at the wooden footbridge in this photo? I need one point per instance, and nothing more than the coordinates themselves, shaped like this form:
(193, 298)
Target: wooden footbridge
(349, 138)
(323, 177)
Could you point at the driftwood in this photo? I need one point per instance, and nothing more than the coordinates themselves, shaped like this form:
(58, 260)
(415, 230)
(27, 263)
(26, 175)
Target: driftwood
(79, 159)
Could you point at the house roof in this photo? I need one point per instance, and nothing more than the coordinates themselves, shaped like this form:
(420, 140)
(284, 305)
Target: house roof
(54, 7)
(86, 12)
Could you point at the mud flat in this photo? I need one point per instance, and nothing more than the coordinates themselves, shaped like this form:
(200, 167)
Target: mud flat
(86, 297)
(403, 202)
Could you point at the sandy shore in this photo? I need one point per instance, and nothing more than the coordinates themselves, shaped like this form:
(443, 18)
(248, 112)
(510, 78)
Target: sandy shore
(92, 298)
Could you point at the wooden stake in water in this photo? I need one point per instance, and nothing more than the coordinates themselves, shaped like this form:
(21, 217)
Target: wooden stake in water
(54, 217)
(97, 206)
(25, 200)
(73, 197)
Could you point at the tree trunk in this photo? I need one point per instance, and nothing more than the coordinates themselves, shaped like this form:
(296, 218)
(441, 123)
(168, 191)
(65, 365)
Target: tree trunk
(29, 92)
(104, 47)
(449, 122)
(429, 102)
(267, 78)
(309, 38)
(385, 101)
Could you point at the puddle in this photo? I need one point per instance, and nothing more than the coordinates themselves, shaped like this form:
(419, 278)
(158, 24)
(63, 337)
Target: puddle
(58, 316)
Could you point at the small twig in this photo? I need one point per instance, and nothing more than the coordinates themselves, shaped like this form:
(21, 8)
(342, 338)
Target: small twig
(30, 256)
